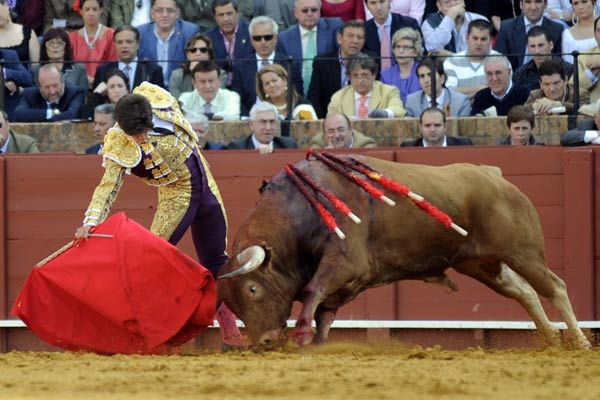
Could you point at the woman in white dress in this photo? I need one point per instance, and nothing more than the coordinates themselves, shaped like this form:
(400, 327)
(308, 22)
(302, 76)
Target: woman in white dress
(580, 36)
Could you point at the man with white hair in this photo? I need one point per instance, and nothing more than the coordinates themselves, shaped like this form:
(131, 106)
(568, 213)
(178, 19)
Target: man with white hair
(264, 123)
(201, 125)
(263, 36)
(586, 132)
(502, 94)
(312, 35)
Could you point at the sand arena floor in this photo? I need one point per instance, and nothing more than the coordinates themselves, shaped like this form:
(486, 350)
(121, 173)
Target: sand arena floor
(336, 371)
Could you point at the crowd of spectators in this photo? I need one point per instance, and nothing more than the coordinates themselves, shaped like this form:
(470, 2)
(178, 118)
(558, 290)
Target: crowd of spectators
(304, 60)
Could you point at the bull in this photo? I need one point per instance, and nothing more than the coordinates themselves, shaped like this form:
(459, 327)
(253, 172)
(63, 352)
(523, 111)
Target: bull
(283, 252)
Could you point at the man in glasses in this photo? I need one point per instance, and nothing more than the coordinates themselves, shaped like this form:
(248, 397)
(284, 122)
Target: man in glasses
(338, 133)
(231, 38)
(329, 69)
(265, 136)
(11, 142)
(445, 32)
(127, 42)
(312, 35)
(263, 35)
(164, 39)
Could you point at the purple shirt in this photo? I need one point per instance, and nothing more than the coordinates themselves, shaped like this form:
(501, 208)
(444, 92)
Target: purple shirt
(406, 86)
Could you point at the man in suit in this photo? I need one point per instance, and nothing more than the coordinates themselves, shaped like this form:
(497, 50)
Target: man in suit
(15, 78)
(539, 44)
(512, 37)
(339, 134)
(263, 35)
(11, 142)
(453, 103)
(53, 100)
(365, 97)
(264, 123)
(385, 21)
(165, 37)
(231, 38)
(127, 42)
(312, 35)
(502, 94)
(329, 69)
(130, 12)
(104, 119)
(208, 97)
(586, 131)
(588, 66)
(434, 131)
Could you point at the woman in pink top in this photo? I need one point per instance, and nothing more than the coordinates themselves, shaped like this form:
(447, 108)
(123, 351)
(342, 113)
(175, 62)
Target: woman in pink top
(92, 44)
(345, 9)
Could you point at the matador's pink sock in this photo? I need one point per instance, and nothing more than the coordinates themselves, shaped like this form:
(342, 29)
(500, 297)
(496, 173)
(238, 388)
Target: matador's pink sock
(229, 331)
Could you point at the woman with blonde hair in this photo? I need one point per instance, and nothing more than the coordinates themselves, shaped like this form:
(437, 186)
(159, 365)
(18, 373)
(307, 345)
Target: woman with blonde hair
(272, 86)
(407, 46)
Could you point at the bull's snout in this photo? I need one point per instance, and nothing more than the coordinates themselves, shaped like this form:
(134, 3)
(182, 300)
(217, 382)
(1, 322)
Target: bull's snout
(270, 340)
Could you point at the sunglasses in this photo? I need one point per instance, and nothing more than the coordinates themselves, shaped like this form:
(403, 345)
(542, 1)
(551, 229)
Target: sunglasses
(307, 10)
(267, 38)
(193, 50)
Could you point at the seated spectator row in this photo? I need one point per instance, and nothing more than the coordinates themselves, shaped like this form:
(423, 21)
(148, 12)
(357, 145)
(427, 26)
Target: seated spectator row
(383, 55)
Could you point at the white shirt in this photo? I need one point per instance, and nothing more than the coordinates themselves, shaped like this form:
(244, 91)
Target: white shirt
(259, 60)
(257, 144)
(226, 104)
(444, 144)
(141, 15)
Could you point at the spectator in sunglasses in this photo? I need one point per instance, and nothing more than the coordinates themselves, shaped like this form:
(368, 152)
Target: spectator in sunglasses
(198, 48)
(263, 34)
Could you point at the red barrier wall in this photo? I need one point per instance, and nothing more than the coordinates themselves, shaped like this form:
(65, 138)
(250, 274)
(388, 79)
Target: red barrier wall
(42, 199)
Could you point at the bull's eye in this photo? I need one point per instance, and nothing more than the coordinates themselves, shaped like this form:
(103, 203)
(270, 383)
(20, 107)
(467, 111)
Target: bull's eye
(253, 291)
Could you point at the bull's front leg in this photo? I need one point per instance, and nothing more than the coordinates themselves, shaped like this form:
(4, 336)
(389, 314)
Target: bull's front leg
(335, 271)
(324, 317)
(303, 333)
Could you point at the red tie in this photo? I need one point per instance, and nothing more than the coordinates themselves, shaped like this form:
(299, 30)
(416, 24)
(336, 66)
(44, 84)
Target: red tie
(363, 110)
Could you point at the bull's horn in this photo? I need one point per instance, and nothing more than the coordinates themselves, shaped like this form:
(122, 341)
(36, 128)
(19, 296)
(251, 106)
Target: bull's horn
(252, 257)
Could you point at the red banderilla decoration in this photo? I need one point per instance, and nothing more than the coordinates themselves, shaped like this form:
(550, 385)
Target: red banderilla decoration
(328, 219)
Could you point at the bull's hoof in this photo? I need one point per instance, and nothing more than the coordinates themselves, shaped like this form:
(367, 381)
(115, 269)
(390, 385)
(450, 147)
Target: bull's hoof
(303, 336)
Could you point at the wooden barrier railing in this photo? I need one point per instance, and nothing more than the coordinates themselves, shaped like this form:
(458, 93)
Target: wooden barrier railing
(77, 136)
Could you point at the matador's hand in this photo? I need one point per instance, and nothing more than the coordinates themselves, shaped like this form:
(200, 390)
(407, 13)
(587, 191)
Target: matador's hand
(83, 232)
